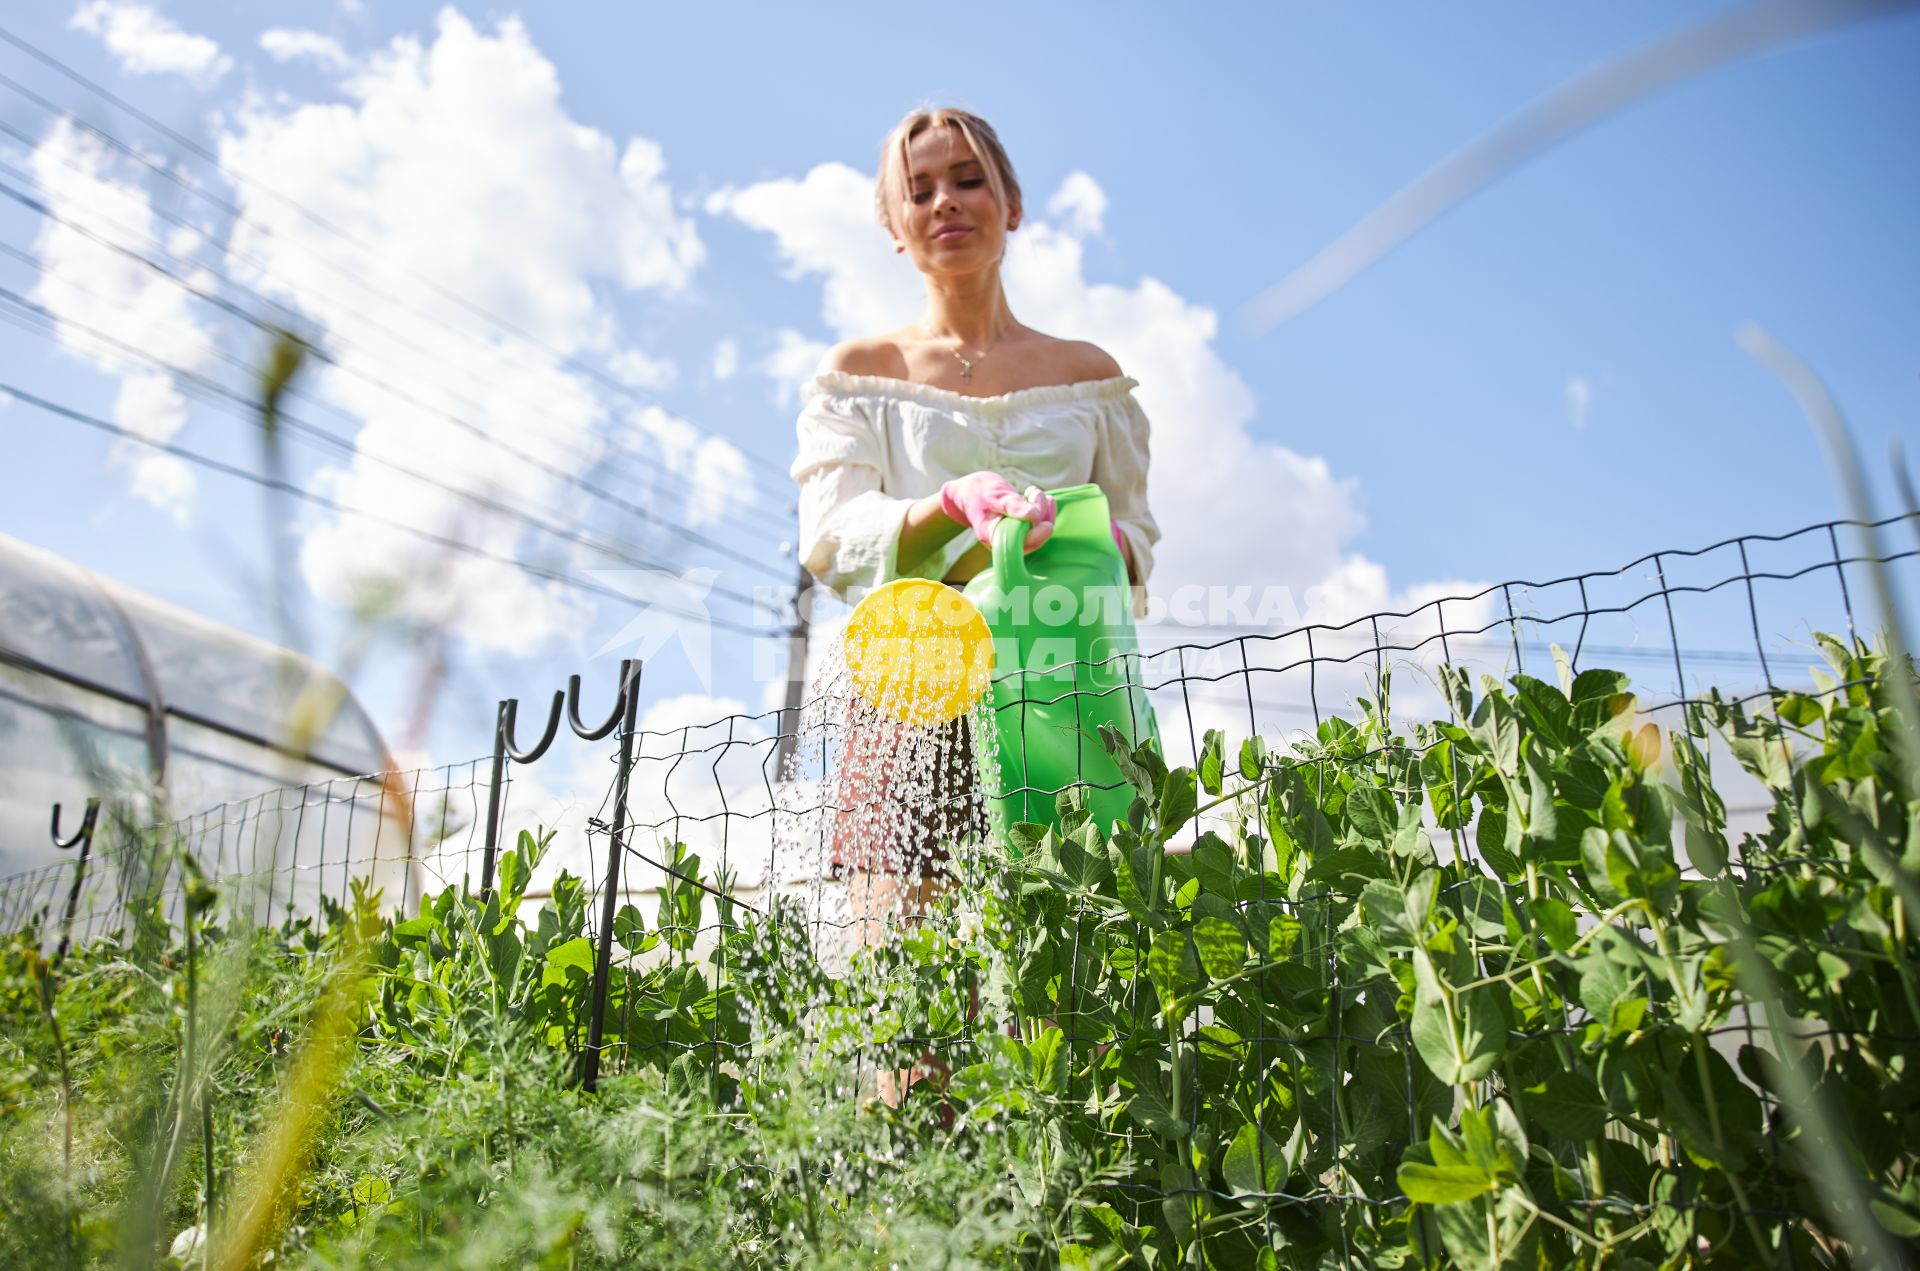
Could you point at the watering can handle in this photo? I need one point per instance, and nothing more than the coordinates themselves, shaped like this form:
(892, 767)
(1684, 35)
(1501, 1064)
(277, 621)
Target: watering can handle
(1010, 552)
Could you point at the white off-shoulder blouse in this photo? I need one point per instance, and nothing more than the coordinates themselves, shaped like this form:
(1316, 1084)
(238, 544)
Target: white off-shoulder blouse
(871, 445)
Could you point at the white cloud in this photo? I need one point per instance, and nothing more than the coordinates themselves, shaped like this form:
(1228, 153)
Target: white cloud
(85, 283)
(1080, 205)
(150, 406)
(146, 43)
(162, 481)
(720, 481)
(1236, 510)
(726, 360)
(688, 710)
(456, 161)
(1579, 398)
(287, 44)
(792, 361)
(825, 227)
(713, 475)
(638, 369)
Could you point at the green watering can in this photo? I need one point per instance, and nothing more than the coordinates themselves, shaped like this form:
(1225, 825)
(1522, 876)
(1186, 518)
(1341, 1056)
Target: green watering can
(1064, 664)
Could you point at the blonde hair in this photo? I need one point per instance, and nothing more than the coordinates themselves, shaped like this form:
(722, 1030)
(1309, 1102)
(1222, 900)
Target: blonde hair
(890, 190)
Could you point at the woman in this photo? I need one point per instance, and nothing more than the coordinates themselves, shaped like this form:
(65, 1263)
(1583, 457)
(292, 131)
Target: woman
(913, 444)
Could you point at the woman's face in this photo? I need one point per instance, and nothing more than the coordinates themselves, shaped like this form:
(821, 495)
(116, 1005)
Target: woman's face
(950, 223)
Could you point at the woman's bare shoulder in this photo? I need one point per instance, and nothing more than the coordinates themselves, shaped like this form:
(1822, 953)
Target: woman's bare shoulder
(869, 355)
(1077, 360)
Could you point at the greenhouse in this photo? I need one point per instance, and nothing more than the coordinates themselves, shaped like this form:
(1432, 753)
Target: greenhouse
(107, 692)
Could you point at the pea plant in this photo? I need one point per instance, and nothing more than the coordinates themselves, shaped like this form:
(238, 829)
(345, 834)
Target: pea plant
(1501, 991)
(1499, 994)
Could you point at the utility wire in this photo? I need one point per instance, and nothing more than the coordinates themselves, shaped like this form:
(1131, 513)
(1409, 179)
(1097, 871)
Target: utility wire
(344, 509)
(195, 148)
(298, 426)
(291, 320)
(226, 306)
(384, 330)
(39, 267)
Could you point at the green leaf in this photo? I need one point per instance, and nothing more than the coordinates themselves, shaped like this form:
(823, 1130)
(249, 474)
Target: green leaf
(1178, 799)
(1598, 685)
(1025, 838)
(1583, 783)
(1212, 760)
(504, 951)
(1254, 1163)
(1213, 864)
(629, 927)
(1546, 709)
(1132, 894)
(1283, 933)
(1120, 750)
(1348, 862)
(1443, 1184)
(1399, 913)
(1567, 1104)
(576, 953)
(1253, 757)
(1899, 1211)
(1174, 967)
(415, 930)
(1460, 1036)
(1556, 921)
(1372, 813)
(1496, 835)
(1047, 1057)
(1542, 820)
(1449, 784)
(1223, 950)
(513, 875)
(1147, 1106)
(1706, 849)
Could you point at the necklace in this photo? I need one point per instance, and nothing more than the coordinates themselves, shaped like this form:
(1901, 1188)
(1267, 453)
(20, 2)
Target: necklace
(966, 363)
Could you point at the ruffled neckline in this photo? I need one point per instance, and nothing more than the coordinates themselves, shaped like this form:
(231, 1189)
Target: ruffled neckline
(843, 384)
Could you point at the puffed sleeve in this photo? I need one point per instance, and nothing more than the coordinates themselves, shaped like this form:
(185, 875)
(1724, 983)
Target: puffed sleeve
(1120, 470)
(849, 529)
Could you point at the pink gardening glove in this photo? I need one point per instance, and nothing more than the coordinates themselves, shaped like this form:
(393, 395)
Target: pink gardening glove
(980, 499)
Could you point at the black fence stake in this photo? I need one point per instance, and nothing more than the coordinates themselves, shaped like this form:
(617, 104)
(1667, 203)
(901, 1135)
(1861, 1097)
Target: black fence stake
(83, 839)
(503, 750)
(625, 713)
(492, 841)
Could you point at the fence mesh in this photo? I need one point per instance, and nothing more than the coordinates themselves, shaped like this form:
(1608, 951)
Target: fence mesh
(731, 916)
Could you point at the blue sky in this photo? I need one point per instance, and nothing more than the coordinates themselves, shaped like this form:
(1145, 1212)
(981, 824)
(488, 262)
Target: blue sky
(1543, 381)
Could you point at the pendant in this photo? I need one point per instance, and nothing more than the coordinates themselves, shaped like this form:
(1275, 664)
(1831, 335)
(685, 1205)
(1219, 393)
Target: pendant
(966, 370)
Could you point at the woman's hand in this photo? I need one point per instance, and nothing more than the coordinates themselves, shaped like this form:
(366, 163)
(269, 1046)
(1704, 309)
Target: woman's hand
(980, 499)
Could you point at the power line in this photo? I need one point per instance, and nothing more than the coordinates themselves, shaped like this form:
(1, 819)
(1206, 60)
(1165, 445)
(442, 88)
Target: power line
(343, 509)
(383, 329)
(292, 319)
(298, 426)
(29, 260)
(226, 306)
(195, 148)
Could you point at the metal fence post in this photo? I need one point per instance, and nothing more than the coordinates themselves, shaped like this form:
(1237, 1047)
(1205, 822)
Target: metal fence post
(492, 843)
(83, 839)
(503, 750)
(626, 711)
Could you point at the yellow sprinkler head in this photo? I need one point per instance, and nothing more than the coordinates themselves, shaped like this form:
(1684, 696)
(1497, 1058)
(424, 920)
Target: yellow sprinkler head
(918, 651)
